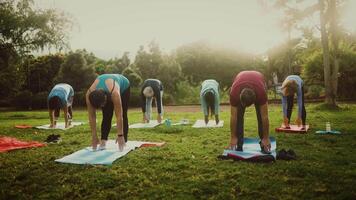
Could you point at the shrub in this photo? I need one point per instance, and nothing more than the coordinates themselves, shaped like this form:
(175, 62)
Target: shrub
(39, 100)
(314, 91)
(23, 99)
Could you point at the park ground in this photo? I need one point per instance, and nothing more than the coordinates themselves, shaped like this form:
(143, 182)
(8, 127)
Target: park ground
(187, 166)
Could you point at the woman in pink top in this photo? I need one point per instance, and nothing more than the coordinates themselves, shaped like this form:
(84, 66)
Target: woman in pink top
(249, 88)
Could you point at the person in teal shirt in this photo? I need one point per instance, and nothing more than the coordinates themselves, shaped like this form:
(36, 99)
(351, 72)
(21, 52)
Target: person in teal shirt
(209, 98)
(111, 93)
(60, 97)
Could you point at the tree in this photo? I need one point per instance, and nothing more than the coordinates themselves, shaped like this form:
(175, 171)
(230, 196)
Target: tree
(41, 71)
(76, 72)
(22, 30)
(134, 78)
(329, 33)
(148, 62)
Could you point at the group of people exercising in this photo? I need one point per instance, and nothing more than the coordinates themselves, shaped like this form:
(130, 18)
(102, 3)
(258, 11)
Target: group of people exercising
(111, 94)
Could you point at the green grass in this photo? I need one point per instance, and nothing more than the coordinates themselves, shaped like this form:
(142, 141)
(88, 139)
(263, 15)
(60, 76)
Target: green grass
(186, 167)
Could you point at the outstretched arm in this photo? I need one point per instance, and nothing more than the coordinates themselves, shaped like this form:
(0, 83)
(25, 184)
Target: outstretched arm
(233, 125)
(265, 126)
(51, 118)
(92, 121)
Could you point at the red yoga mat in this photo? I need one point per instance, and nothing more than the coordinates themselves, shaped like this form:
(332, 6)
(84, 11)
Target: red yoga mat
(23, 126)
(9, 143)
(293, 129)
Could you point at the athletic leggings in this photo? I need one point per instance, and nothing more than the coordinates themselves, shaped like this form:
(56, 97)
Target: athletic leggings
(240, 124)
(108, 111)
(290, 102)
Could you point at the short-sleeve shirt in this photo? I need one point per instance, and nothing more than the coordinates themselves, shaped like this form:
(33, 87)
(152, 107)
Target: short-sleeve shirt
(63, 91)
(249, 79)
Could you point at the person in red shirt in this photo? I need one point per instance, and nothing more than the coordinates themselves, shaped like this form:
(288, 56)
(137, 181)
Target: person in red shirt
(249, 88)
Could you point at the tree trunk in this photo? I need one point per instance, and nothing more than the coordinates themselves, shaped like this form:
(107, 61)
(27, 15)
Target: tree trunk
(326, 55)
(335, 45)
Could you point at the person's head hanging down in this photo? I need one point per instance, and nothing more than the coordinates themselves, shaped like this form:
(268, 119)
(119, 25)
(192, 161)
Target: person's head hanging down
(152, 89)
(247, 97)
(292, 85)
(110, 93)
(60, 97)
(210, 100)
(249, 88)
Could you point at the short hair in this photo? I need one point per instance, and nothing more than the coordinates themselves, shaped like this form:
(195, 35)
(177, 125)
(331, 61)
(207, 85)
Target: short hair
(54, 103)
(210, 101)
(97, 98)
(247, 97)
(148, 92)
(290, 87)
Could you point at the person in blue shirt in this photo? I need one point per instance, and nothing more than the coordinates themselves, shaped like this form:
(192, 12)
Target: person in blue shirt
(60, 97)
(110, 93)
(292, 85)
(209, 98)
(152, 89)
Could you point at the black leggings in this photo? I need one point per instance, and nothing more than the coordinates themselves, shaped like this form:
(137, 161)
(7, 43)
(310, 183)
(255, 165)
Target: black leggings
(240, 124)
(108, 111)
(290, 102)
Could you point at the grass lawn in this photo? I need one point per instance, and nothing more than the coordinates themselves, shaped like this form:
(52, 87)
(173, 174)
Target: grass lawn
(186, 167)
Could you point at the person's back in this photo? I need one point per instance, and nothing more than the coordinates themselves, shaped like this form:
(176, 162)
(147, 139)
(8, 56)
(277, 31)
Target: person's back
(209, 98)
(121, 80)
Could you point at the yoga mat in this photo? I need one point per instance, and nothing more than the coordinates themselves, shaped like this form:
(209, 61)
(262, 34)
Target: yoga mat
(292, 129)
(181, 122)
(333, 132)
(152, 124)
(251, 149)
(104, 157)
(9, 143)
(211, 124)
(23, 126)
(60, 126)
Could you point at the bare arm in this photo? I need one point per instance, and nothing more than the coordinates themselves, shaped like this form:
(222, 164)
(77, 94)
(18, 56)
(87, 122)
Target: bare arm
(265, 121)
(51, 117)
(233, 125)
(92, 117)
(265, 125)
(65, 111)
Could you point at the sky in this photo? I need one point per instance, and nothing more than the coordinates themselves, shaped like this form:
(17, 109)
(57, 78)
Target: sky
(108, 28)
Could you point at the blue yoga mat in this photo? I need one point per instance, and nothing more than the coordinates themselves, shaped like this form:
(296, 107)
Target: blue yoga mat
(102, 157)
(251, 149)
(333, 132)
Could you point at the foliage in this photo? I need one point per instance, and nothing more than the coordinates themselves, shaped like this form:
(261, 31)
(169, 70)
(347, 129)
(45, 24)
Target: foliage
(186, 167)
(148, 63)
(24, 29)
(200, 61)
(41, 71)
(76, 72)
(132, 75)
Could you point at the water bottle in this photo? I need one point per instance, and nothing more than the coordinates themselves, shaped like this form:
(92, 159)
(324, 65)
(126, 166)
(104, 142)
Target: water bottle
(168, 122)
(328, 127)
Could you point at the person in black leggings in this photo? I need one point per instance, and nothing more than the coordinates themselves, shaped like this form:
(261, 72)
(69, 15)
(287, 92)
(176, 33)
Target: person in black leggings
(111, 93)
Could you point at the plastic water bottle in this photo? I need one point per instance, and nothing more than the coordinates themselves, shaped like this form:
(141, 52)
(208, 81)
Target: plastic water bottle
(168, 122)
(328, 126)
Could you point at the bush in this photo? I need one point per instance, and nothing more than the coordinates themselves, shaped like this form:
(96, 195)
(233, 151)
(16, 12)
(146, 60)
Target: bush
(39, 100)
(314, 91)
(79, 99)
(135, 97)
(23, 99)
